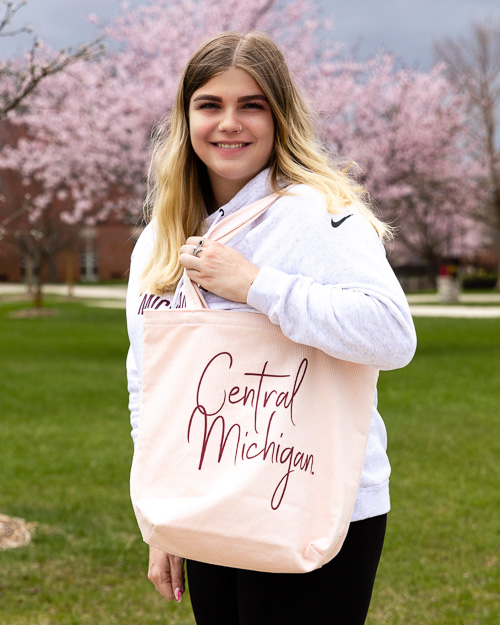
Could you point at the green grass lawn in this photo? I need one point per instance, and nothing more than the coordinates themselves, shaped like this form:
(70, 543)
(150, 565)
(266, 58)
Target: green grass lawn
(440, 564)
(65, 452)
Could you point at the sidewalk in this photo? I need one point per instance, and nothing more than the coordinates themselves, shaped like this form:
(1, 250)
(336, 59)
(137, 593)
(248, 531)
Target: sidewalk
(470, 312)
(92, 295)
(425, 305)
(464, 298)
(79, 291)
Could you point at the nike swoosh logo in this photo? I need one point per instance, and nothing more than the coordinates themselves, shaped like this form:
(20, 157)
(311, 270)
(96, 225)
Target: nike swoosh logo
(336, 224)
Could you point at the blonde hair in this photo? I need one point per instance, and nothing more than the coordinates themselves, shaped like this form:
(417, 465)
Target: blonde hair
(178, 184)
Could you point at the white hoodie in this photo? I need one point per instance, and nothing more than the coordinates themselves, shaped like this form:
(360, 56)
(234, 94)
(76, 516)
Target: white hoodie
(325, 281)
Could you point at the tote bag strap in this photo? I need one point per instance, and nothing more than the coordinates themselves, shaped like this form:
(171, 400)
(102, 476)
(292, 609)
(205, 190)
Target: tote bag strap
(223, 232)
(230, 226)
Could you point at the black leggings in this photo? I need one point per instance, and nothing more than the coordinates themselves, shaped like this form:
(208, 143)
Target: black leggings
(339, 593)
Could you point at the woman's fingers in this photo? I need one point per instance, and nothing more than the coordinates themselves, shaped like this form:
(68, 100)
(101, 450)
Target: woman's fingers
(177, 576)
(218, 268)
(166, 572)
(194, 246)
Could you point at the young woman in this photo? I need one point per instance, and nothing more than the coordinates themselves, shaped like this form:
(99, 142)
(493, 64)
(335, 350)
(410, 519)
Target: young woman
(314, 263)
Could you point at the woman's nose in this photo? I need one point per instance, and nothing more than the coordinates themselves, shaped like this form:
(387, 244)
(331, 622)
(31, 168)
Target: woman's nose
(229, 122)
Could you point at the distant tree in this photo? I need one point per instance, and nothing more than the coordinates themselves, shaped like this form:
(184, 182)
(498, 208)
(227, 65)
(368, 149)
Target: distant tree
(34, 236)
(406, 130)
(37, 242)
(19, 78)
(473, 65)
(38, 237)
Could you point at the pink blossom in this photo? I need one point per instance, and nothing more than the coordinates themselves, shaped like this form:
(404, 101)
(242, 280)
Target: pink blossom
(88, 128)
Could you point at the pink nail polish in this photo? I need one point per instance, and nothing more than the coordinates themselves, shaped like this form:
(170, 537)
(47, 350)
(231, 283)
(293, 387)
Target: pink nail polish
(178, 595)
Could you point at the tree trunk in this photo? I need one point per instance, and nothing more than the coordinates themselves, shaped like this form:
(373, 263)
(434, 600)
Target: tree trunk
(37, 295)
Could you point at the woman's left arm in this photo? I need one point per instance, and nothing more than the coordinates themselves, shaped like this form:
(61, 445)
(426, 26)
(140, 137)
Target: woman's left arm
(332, 287)
(354, 322)
(353, 308)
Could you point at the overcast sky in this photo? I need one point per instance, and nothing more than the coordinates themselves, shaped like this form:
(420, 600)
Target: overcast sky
(405, 27)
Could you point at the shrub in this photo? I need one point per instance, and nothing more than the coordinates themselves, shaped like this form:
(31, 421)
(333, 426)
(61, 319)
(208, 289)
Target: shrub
(479, 281)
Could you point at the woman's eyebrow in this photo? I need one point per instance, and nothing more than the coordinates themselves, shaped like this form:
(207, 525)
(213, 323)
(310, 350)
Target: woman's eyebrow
(203, 96)
(247, 98)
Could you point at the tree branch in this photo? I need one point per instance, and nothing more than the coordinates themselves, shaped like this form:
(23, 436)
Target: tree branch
(28, 79)
(24, 80)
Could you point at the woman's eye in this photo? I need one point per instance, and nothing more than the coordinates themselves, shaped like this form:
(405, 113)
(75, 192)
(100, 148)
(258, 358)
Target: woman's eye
(216, 106)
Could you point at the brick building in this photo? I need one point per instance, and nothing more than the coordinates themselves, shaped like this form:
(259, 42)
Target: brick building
(91, 253)
(58, 251)
(101, 253)
(50, 248)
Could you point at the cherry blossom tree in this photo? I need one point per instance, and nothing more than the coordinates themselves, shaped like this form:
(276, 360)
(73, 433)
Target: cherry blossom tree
(37, 238)
(88, 128)
(473, 66)
(410, 139)
(405, 129)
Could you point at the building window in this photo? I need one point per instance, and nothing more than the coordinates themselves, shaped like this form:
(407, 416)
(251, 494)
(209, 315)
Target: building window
(89, 261)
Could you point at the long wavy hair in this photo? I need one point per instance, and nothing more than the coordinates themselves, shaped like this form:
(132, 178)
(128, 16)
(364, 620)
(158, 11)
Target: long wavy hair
(179, 190)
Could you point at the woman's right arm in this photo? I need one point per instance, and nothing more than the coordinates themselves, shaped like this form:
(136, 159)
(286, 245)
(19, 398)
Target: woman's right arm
(134, 391)
(165, 571)
(139, 257)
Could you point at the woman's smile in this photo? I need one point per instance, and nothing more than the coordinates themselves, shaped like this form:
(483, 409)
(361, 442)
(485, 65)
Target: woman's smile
(230, 146)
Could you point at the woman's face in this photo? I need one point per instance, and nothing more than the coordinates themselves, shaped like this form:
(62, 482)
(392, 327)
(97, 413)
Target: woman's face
(232, 131)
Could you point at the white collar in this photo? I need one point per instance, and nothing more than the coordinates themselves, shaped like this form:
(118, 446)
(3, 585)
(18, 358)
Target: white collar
(254, 190)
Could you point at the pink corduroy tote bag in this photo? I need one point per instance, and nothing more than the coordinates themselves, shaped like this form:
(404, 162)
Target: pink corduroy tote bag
(250, 446)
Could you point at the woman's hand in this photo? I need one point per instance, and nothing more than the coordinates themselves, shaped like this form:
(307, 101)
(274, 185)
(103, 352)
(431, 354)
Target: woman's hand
(218, 269)
(166, 572)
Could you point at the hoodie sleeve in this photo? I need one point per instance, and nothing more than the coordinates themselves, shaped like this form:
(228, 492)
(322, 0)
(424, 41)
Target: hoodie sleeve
(134, 390)
(140, 254)
(325, 280)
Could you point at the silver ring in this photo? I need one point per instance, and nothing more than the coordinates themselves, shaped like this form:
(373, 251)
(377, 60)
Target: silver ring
(200, 244)
(196, 250)
(238, 131)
